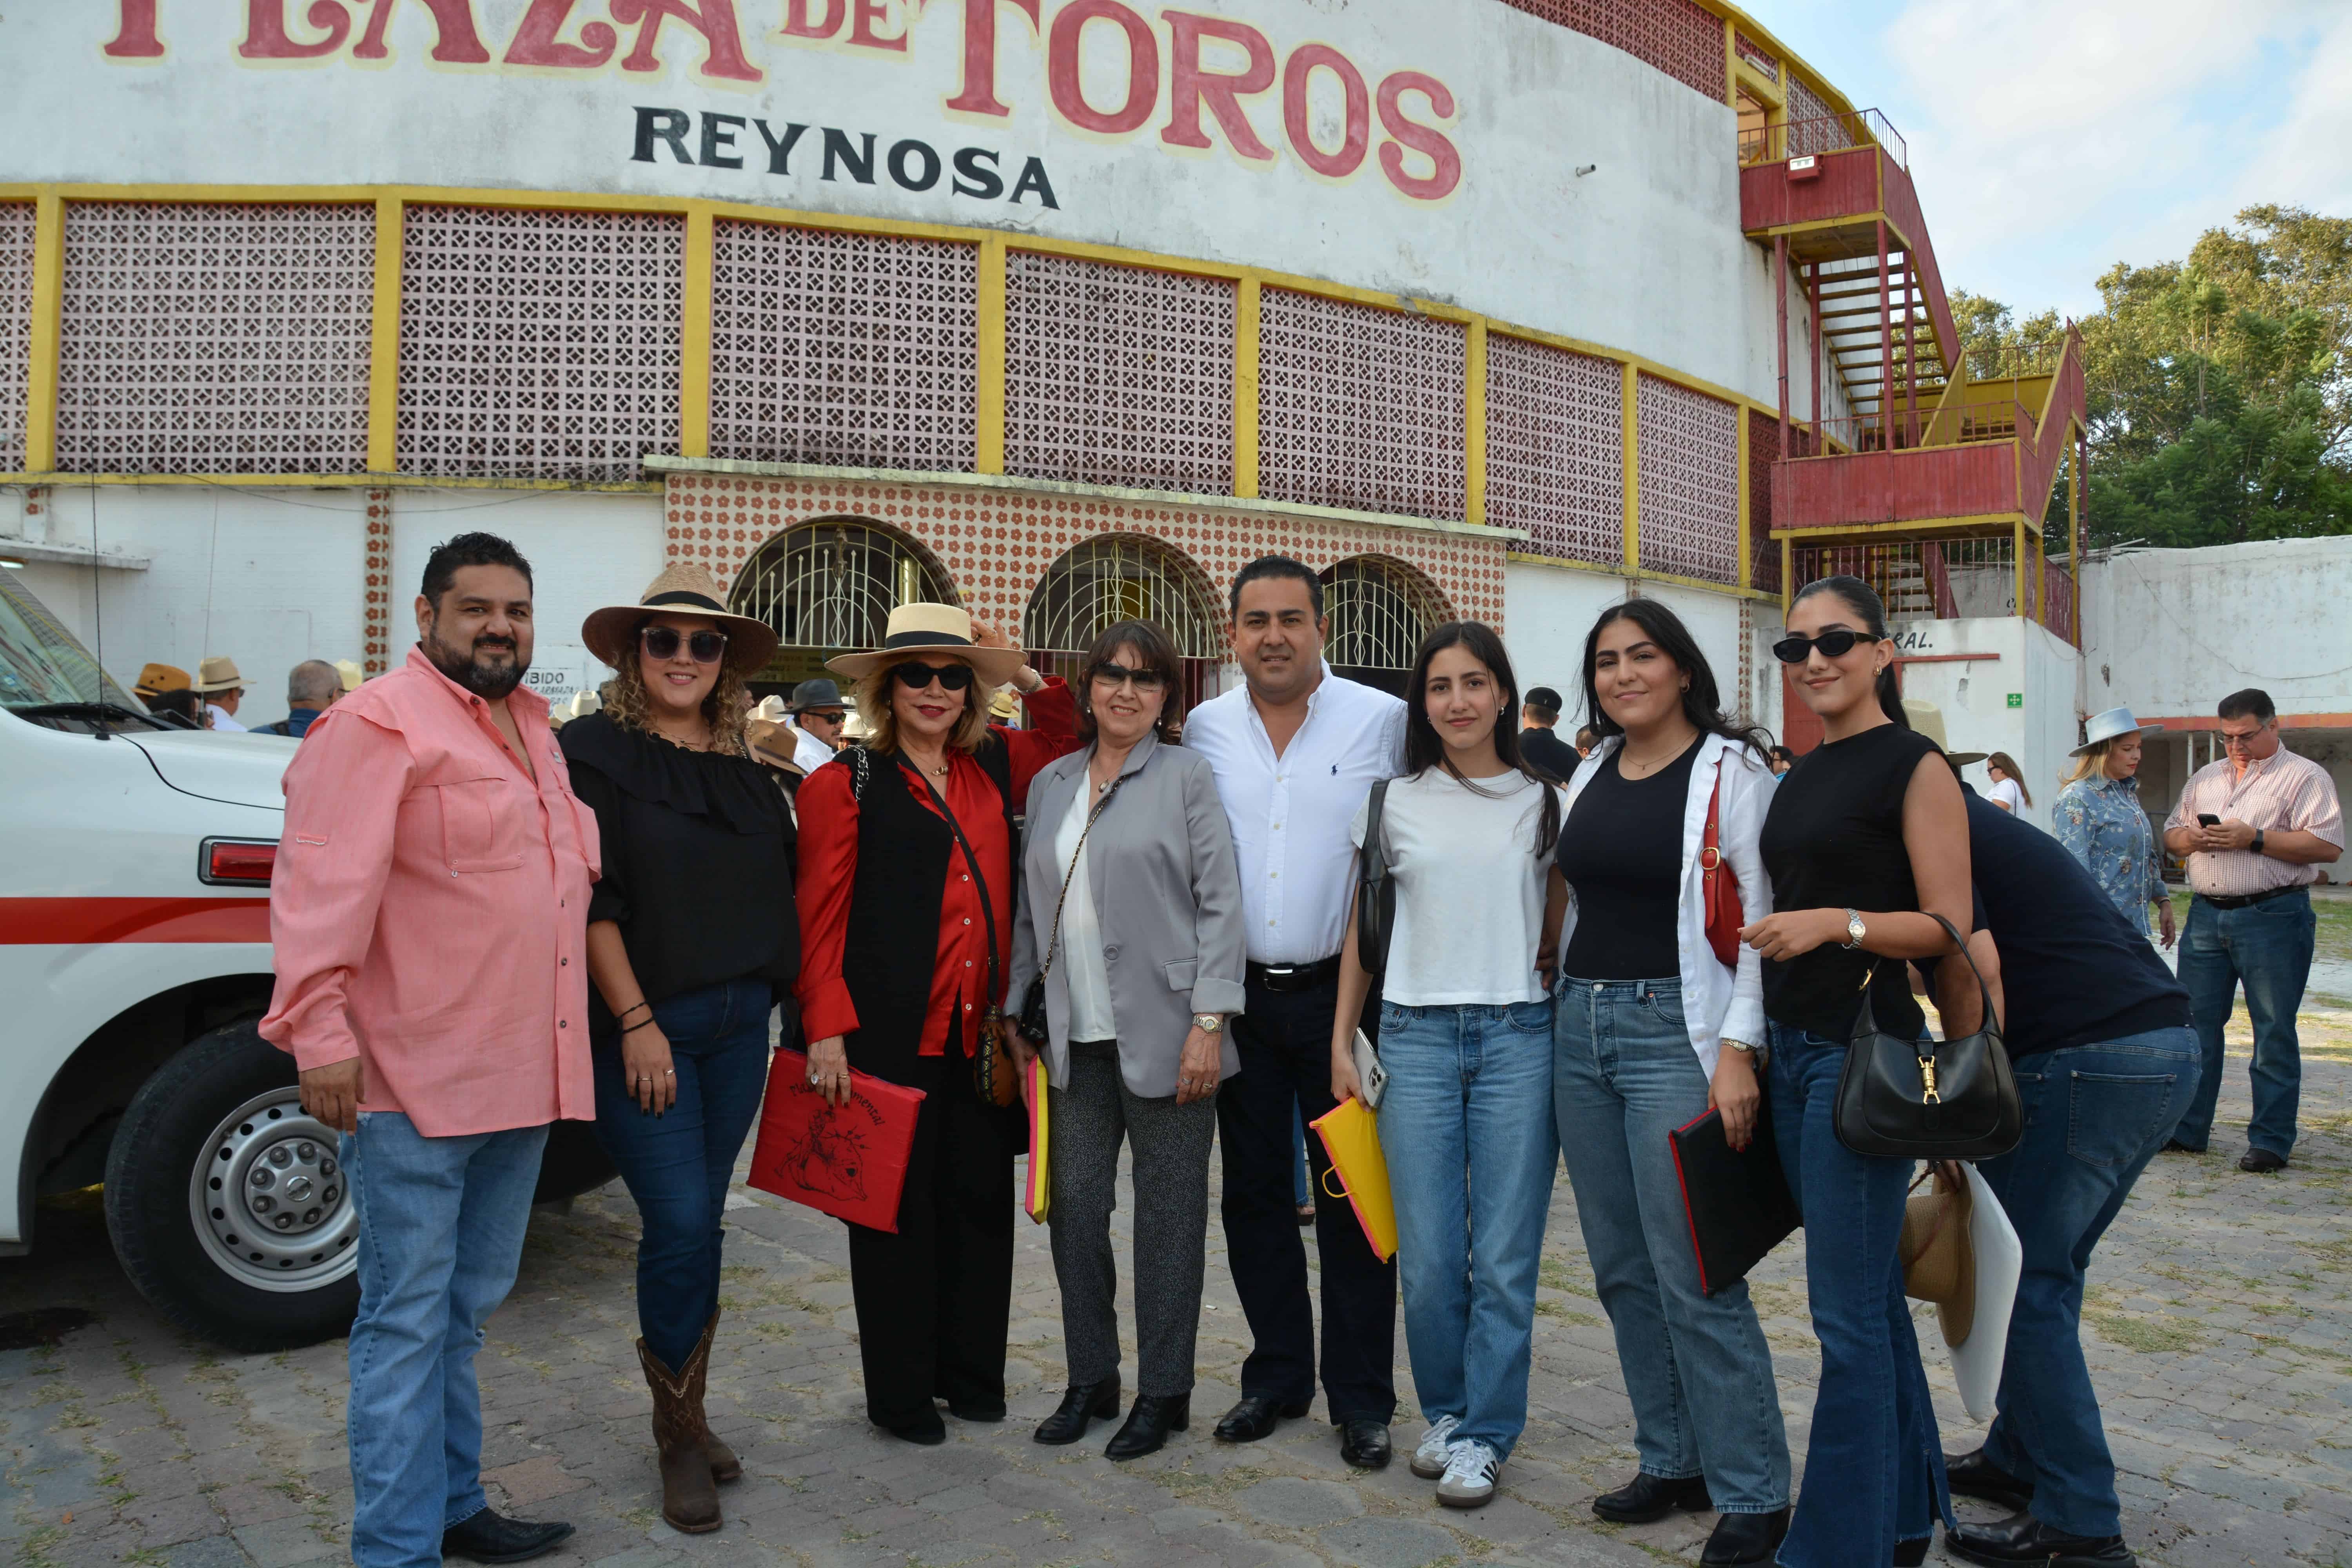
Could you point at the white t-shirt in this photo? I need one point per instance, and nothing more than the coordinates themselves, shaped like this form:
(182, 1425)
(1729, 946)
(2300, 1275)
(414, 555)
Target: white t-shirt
(2005, 792)
(1470, 890)
(1080, 951)
(223, 720)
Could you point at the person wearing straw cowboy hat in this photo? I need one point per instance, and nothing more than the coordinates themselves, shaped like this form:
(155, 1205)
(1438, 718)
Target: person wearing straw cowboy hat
(692, 938)
(222, 687)
(906, 900)
(2103, 824)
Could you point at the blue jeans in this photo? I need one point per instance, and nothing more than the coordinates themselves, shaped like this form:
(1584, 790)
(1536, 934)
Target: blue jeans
(441, 1227)
(678, 1164)
(2094, 1115)
(1874, 1473)
(2268, 946)
(1465, 1128)
(1697, 1367)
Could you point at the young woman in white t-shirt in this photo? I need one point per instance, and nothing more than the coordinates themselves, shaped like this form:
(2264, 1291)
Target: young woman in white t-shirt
(2009, 790)
(1465, 1039)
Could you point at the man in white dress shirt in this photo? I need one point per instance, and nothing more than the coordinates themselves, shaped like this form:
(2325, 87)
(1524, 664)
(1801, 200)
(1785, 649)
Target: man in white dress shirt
(1294, 754)
(818, 714)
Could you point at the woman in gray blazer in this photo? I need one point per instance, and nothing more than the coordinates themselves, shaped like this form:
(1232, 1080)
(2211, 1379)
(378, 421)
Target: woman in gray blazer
(1131, 905)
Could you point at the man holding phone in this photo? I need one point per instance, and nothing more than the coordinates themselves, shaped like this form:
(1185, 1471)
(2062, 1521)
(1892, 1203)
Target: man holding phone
(2255, 827)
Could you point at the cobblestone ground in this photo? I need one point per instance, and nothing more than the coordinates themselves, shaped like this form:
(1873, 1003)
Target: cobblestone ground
(2217, 1325)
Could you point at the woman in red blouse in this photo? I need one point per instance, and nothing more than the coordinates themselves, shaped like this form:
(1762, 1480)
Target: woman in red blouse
(905, 941)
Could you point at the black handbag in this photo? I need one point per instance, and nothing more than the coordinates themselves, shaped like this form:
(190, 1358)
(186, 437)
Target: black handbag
(1928, 1099)
(1032, 1022)
(1375, 889)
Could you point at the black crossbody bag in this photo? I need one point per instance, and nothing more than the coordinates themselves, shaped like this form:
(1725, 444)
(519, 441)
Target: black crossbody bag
(1928, 1099)
(1375, 889)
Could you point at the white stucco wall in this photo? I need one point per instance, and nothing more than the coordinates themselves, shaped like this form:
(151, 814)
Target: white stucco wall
(2023, 661)
(2169, 633)
(1547, 612)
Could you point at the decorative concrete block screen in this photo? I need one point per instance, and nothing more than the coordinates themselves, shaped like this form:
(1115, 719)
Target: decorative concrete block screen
(215, 338)
(1118, 375)
(1813, 125)
(1555, 449)
(853, 350)
(1676, 35)
(1763, 451)
(1359, 407)
(15, 327)
(1690, 479)
(539, 343)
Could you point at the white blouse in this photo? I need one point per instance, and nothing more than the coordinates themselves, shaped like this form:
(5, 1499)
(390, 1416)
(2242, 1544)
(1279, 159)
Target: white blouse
(1080, 951)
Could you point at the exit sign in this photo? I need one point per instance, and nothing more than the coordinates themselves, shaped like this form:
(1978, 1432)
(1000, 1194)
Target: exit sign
(2017, 700)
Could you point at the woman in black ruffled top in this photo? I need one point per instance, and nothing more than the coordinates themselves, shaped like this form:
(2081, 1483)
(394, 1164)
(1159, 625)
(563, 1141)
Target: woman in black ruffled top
(692, 938)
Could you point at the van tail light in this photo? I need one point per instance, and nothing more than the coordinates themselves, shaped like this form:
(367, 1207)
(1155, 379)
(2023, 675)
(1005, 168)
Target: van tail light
(236, 862)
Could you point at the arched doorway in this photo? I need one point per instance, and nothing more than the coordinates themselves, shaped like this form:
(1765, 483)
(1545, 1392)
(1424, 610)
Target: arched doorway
(828, 588)
(1379, 612)
(1118, 577)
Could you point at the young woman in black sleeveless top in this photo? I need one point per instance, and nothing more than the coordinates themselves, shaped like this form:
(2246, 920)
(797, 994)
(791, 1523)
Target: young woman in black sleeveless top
(1866, 833)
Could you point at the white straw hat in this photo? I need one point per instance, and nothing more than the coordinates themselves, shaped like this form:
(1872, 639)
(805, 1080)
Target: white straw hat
(931, 631)
(1929, 719)
(686, 590)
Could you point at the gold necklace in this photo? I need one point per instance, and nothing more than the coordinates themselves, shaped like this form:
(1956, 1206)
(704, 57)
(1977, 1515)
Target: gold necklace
(1626, 756)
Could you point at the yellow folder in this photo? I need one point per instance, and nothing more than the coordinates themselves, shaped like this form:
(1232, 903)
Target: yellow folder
(1350, 1134)
(1039, 1196)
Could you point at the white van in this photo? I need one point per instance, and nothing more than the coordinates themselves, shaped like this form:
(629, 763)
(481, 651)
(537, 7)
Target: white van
(134, 964)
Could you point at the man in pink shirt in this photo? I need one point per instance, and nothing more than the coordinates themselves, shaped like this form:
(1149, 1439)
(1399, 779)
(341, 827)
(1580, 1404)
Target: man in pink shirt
(428, 915)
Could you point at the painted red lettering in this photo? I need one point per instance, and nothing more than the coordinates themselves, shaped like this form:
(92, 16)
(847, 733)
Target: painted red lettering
(1142, 68)
(453, 38)
(798, 25)
(863, 15)
(722, 42)
(1190, 86)
(538, 41)
(266, 38)
(1357, 135)
(977, 95)
(1445, 163)
(135, 40)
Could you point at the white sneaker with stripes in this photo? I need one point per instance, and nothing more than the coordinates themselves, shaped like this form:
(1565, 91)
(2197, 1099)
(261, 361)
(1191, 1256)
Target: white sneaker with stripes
(1429, 1458)
(1469, 1479)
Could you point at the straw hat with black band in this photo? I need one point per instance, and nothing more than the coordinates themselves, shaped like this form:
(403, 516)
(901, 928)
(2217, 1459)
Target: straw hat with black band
(768, 735)
(1928, 721)
(929, 632)
(680, 590)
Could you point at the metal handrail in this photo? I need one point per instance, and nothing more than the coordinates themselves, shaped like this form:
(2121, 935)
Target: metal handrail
(1822, 133)
(1996, 419)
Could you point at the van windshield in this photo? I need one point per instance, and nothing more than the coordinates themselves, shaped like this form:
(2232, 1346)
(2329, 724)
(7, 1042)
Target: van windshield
(44, 664)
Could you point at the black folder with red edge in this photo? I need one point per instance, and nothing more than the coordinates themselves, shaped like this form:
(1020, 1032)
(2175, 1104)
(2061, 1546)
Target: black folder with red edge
(1737, 1202)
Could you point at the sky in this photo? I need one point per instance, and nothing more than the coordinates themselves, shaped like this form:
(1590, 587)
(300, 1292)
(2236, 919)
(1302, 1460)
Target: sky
(2051, 140)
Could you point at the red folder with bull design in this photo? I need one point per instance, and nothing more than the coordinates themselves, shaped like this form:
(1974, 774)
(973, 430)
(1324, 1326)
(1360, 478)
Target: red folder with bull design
(847, 1160)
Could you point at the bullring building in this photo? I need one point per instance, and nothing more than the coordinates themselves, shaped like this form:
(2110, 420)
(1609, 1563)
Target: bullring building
(1057, 308)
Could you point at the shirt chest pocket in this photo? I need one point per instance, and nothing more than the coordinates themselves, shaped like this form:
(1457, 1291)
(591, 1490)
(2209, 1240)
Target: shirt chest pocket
(482, 824)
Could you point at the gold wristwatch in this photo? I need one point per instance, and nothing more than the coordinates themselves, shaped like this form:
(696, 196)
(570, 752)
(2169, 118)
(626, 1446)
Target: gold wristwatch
(1209, 1023)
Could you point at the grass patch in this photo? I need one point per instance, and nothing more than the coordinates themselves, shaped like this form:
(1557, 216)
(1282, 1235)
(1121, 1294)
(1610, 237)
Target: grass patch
(1566, 1314)
(2152, 1335)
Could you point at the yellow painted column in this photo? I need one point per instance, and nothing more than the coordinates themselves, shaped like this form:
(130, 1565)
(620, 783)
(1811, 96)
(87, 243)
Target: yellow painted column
(384, 340)
(694, 336)
(1633, 435)
(2016, 548)
(1473, 424)
(48, 304)
(1246, 387)
(1788, 575)
(990, 458)
(1747, 578)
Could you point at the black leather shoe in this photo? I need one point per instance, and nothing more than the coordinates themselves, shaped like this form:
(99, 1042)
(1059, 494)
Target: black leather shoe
(2025, 1539)
(1148, 1426)
(1973, 1475)
(1364, 1443)
(2261, 1162)
(1082, 1404)
(1647, 1497)
(1743, 1538)
(977, 1409)
(487, 1538)
(928, 1434)
(1253, 1414)
(2175, 1146)
(1911, 1553)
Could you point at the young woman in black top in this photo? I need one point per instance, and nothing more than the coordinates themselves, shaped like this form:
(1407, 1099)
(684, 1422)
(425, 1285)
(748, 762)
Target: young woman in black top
(692, 936)
(1866, 833)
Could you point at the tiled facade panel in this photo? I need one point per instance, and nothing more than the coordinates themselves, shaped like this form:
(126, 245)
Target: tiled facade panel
(1118, 375)
(1688, 446)
(851, 349)
(1813, 125)
(15, 327)
(213, 338)
(1555, 448)
(1359, 407)
(1678, 38)
(538, 343)
(1763, 450)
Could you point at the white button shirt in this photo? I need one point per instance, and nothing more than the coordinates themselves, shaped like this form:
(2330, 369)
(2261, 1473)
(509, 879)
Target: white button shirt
(1290, 813)
(808, 754)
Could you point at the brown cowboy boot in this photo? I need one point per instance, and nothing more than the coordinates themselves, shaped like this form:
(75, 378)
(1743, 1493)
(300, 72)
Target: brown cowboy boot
(724, 1465)
(689, 1496)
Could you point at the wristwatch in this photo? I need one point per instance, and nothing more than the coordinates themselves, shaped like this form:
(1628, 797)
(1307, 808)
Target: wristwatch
(1209, 1023)
(2257, 845)
(1854, 929)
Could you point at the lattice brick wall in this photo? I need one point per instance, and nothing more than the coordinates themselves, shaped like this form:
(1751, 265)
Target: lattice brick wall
(215, 337)
(375, 604)
(1763, 450)
(1812, 123)
(1676, 35)
(849, 349)
(1359, 407)
(15, 328)
(1555, 449)
(536, 343)
(1690, 479)
(1118, 375)
(1756, 55)
(997, 547)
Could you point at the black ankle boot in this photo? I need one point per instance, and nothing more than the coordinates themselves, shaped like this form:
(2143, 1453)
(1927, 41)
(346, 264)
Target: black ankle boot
(1741, 1539)
(1647, 1497)
(1148, 1424)
(1083, 1403)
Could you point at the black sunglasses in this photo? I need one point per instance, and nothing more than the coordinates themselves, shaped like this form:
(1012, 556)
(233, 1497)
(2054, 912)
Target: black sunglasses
(1117, 674)
(914, 675)
(807, 714)
(705, 648)
(1834, 643)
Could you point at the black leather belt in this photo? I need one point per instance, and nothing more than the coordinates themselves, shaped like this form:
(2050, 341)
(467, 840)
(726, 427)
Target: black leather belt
(1281, 977)
(2240, 900)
